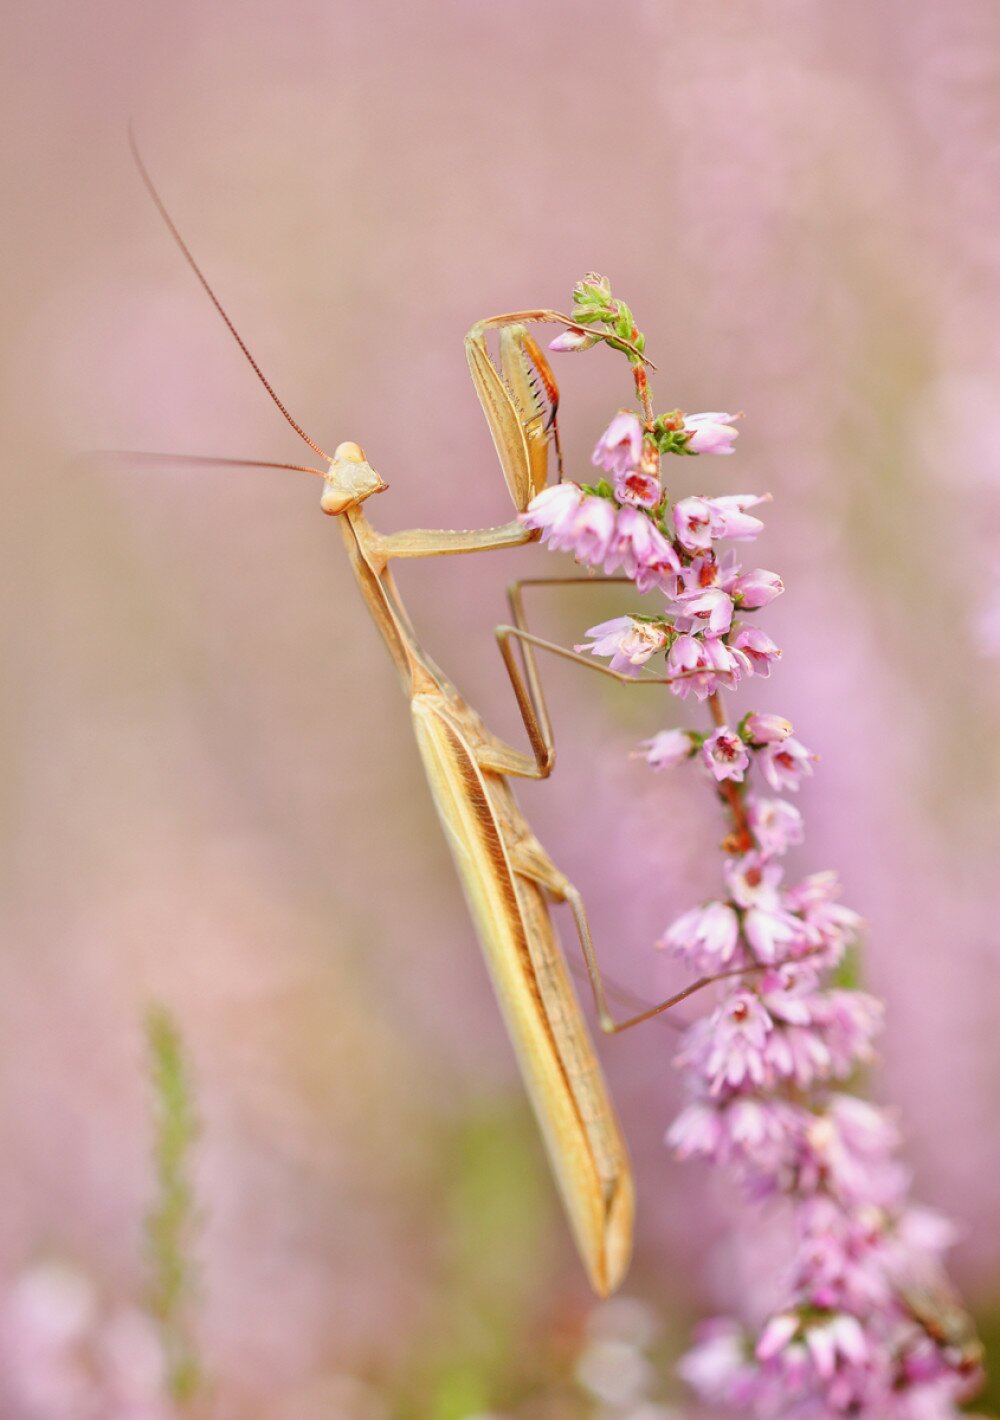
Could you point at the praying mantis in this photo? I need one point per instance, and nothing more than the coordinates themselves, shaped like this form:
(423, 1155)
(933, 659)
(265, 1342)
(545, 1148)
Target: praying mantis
(509, 880)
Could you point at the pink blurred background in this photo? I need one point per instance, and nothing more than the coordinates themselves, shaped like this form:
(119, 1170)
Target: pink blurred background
(212, 798)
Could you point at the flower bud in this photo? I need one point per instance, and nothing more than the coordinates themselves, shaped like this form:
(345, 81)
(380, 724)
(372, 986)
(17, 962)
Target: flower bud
(759, 729)
(668, 748)
(757, 588)
(710, 433)
(574, 338)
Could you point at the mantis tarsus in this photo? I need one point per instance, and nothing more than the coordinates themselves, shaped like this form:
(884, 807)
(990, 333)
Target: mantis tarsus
(508, 878)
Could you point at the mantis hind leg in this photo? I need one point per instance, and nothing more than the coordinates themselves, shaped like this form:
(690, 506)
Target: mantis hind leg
(531, 861)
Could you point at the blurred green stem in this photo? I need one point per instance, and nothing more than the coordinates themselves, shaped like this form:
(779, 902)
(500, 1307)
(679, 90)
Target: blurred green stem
(172, 1219)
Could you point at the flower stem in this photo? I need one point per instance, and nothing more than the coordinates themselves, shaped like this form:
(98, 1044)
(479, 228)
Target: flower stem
(642, 385)
(740, 840)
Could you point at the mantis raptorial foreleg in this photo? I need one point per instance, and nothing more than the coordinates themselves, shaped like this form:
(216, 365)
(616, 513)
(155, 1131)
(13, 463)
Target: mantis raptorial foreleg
(444, 542)
(515, 407)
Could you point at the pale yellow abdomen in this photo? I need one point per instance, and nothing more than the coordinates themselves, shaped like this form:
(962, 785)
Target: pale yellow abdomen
(536, 998)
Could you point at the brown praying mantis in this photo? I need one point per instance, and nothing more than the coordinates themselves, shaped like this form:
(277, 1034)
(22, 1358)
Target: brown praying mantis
(509, 880)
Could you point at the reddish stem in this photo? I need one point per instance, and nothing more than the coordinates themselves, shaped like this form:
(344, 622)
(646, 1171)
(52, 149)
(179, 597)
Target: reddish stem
(741, 839)
(641, 382)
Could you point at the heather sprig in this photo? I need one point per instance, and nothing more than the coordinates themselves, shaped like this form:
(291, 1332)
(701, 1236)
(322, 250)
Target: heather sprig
(173, 1217)
(868, 1325)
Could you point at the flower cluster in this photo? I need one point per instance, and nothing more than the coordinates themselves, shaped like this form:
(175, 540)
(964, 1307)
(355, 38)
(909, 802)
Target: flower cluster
(628, 525)
(867, 1325)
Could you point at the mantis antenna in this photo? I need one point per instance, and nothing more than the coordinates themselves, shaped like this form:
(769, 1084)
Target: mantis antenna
(185, 250)
(136, 456)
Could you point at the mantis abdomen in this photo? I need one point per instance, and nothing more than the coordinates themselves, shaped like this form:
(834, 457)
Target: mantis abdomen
(534, 992)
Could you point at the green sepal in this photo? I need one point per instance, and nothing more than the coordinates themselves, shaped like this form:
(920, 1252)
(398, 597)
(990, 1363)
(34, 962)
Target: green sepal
(601, 489)
(847, 974)
(674, 441)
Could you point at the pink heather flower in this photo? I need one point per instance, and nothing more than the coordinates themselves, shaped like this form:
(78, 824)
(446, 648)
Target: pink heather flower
(813, 892)
(805, 1054)
(840, 1262)
(572, 521)
(705, 570)
(752, 881)
(775, 824)
(776, 1335)
(738, 1032)
(790, 992)
(772, 933)
(628, 641)
(829, 923)
(65, 1356)
(757, 588)
(641, 485)
(662, 569)
(698, 1132)
(849, 1020)
(588, 533)
(705, 938)
(730, 665)
(639, 488)
(686, 656)
(619, 449)
(799, 1054)
(668, 748)
(756, 646)
(727, 569)
(712, 605)
(574, 338)
(552, 510)
(847, 1151)
(730, 518)
(725, 755)
(822, 1366)
(765, 729)
(640, 549)
(693, 521)
(785, 765)
(702, 665)
(763, 1137)
(710, 433)
(840, 1338)
(759, 1136)
(718, 1368)
(835, 1341)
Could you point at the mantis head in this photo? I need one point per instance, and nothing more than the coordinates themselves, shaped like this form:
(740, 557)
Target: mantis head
(350, 480)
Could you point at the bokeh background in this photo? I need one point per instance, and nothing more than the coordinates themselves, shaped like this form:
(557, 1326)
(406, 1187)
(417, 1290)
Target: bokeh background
(211, 796)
